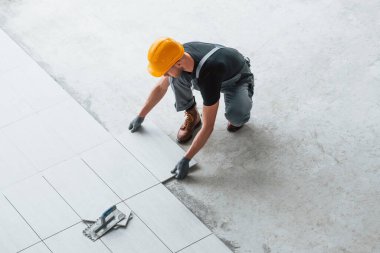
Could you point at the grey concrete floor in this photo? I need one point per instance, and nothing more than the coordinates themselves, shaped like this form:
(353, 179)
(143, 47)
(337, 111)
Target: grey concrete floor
(303, 175)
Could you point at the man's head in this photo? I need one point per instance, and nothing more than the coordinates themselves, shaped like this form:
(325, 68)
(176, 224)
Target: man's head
(165, 57)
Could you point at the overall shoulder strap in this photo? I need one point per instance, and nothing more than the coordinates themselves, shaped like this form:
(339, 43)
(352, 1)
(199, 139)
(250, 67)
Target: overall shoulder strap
(204, 59)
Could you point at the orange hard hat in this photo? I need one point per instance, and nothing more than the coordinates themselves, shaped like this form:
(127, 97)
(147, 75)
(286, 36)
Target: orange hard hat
(163, 54)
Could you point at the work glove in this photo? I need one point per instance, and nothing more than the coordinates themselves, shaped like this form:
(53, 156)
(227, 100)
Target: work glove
(181, 169)
(135, 124)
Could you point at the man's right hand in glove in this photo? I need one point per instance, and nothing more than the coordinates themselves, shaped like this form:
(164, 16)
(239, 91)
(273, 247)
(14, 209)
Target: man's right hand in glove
(135, 124)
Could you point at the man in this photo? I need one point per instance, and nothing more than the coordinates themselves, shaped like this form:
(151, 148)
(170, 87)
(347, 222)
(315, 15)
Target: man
(210, 68)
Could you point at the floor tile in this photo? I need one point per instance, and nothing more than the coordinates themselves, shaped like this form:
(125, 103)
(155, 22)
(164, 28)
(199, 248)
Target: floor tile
(167, 217)
(11, 54)
(14, 166)
(86, 193)
(119, 169)
(38, 248)
(136, 238)
(73, 240)
(41, 206)
(12, 107)
(40, 144)
(75, 125)
(154, 149)
(15, 233)
(34, 85)
(209, 244)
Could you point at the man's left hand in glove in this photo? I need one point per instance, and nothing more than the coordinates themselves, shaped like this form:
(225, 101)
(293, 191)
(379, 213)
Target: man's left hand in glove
(181, 169)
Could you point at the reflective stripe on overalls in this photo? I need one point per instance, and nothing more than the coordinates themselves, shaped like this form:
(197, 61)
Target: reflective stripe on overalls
(194, 82)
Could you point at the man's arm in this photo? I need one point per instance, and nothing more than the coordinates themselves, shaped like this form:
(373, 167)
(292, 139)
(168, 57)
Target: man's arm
(155, 96)
(208, 118)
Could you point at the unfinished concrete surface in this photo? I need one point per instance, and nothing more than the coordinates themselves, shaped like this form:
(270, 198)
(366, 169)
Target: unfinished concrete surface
(303, 175)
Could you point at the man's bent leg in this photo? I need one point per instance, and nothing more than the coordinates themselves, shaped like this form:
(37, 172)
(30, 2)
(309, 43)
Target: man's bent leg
(183, 94)
(185, 101)
(238, 103)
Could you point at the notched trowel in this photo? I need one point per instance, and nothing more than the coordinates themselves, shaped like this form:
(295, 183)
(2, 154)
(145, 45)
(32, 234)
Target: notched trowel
(112, 218)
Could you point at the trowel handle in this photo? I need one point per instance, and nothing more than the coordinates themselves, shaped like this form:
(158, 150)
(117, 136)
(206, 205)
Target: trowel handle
(107, 212)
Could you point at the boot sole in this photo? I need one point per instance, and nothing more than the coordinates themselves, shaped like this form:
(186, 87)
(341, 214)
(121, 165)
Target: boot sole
(191, 136)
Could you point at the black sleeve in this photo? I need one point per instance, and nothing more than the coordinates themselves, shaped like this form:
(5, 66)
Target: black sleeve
(210, 83)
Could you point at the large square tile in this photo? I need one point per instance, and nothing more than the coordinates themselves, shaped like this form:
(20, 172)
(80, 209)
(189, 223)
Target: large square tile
(12, 106)
(116, 166)
(14, 166)
(41, 206)
(15, 233)
(75, 125)
(209, 244)
(34, 85)
(38, 142)
(73, 240)
(136, 237)
(167, 217)
(154, 149)
(86, 193)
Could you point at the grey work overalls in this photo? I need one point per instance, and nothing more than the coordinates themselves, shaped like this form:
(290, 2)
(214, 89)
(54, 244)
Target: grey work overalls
(238, 91)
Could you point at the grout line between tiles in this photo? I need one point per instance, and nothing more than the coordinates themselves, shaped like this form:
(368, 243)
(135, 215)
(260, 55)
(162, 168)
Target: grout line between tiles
(60, 231)
(47, 246)
(149, 228)
(25, 222)
(29, 246)
(134, 195)
(71, 208)
(105, 245)
(100, 177)
(111, 187)
(62, 197)
(194, 242)
(35, 245)
(47, 168)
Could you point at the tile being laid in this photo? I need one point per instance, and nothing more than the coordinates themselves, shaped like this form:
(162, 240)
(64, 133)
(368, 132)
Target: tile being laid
(119, 169)
(74, 125)
(86, 193)
(34, 85)
(14, 166)
(209, 244)
(154, 149)
(41, 206)
(12, 107)
(136, 237)
(38, 248)
(41, 145)
(168, 218)
(15, 233)
(11, 54)
(73, 240)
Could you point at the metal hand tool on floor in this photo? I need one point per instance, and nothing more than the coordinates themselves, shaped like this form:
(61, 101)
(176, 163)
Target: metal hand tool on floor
(112, 218)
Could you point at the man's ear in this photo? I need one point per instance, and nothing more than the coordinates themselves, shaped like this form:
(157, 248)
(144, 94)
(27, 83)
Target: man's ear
(179, 63)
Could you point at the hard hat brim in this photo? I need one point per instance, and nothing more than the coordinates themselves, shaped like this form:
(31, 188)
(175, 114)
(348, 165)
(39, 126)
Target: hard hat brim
(154, 71)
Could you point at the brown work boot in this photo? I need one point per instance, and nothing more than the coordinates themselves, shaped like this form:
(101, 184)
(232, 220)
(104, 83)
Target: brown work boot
(192, 122)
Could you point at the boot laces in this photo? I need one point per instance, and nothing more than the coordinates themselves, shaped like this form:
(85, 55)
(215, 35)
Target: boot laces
(188, 119)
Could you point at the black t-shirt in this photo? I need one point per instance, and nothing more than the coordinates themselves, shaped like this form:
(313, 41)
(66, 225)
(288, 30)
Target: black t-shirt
(224, 64)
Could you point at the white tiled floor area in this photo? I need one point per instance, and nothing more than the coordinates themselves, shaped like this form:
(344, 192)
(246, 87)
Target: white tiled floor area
(58, 165)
